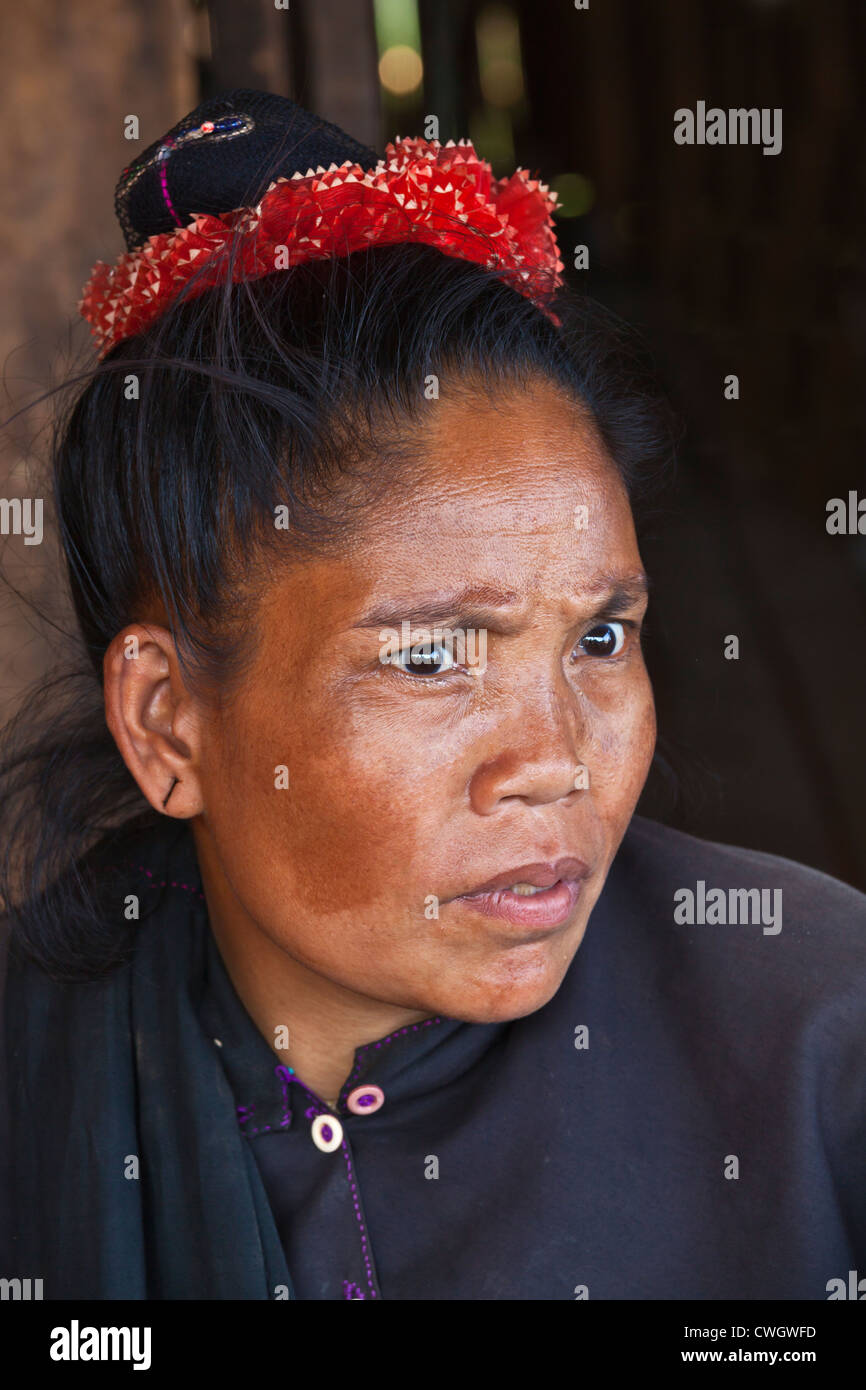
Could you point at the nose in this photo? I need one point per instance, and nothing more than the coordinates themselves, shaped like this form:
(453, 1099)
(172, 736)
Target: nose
(538, 756)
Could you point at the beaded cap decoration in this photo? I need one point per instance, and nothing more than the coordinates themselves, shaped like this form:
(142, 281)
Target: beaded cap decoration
(249, 183)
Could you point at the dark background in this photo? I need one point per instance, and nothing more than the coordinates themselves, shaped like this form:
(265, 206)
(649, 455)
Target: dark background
(730, 261)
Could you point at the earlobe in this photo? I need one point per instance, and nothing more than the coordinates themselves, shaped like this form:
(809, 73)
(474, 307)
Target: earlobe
(174, 782)
(153, 719)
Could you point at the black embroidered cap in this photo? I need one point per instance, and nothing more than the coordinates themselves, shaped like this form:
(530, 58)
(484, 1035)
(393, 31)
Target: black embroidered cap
(249, 183)
(223, 155)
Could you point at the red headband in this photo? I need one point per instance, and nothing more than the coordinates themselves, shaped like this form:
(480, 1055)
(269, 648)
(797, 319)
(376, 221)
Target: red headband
(441, 195)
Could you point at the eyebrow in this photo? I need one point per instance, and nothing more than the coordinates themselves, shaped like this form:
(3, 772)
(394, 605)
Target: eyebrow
(480, 605)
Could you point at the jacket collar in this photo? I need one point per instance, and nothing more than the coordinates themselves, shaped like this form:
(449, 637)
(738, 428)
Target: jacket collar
(406, 1064)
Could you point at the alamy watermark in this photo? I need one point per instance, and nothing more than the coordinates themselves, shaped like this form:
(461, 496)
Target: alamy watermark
(77, 1343)
(22, 516)
(736, 906)
(20, 1290)
(738, 125)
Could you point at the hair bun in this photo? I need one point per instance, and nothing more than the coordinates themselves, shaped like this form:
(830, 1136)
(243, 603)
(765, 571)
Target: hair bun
(222, 156)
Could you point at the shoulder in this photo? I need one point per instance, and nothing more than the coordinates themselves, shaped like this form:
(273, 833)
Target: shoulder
(649, 837)
(807, 904)
(743, 935)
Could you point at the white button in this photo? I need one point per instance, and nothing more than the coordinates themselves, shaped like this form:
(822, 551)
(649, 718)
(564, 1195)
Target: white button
(327, 1133)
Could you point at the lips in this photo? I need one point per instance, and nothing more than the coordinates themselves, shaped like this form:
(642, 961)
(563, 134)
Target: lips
(539, 875)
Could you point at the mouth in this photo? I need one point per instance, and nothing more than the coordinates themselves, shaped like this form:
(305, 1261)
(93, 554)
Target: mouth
(536, 895)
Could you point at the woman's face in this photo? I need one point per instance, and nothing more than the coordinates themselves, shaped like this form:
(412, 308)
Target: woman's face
(412, 784)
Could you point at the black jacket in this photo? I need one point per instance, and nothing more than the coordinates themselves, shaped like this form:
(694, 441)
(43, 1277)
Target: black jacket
(686, 1118)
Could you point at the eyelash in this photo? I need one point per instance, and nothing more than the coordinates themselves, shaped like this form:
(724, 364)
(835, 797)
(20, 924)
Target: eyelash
(632, 627)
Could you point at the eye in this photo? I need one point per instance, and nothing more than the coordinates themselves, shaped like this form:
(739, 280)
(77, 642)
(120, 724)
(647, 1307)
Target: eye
(424, 659)
(606, 639)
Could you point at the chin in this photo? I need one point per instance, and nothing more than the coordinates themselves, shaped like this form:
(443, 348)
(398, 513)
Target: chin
(500, 1001)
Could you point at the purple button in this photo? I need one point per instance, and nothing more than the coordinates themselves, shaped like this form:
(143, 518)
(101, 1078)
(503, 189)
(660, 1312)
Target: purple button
(365, 1099)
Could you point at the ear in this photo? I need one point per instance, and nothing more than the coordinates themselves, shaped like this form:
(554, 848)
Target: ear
(156, 723)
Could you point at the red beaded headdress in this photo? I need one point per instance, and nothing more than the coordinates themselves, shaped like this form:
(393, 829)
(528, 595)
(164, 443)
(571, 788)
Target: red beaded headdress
(422, 191)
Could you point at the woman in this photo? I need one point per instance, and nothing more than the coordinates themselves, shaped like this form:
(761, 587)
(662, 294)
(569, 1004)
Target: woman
(339, 966)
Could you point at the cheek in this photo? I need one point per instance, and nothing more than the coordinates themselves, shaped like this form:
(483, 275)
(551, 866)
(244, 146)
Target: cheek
(622, 738)
(324, 810)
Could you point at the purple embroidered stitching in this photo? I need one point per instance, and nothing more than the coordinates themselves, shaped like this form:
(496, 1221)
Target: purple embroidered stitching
(364, 1247)
(164, 883)
(283, 1073)
(246, 1112)
(250, 1111)
(382, 1042)
(162, 155)
(312, 1111)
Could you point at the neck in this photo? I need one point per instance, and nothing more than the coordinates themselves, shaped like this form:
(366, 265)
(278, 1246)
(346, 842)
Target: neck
(312, 1023)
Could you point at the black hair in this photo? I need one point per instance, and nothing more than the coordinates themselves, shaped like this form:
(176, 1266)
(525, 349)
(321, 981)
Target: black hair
(169, 465)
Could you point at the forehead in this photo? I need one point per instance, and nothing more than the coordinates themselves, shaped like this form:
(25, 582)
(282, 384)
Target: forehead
(521, 459)
(516, 490)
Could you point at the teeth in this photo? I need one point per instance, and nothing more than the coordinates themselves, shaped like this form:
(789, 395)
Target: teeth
(524, 890)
